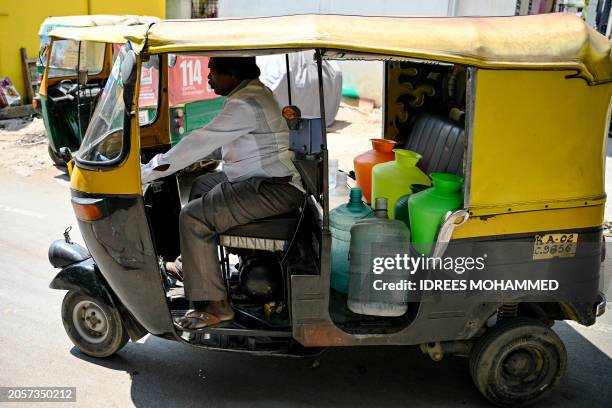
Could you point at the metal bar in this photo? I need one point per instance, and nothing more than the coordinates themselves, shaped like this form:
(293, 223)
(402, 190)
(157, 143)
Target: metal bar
(245, 332)
(469, 135)
(324, 146)
(288, 78)
(78, 97)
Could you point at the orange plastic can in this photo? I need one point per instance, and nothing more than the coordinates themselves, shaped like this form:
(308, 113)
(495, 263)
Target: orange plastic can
(382, 151)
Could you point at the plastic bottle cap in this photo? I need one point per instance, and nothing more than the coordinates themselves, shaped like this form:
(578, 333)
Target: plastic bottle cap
(380, 204)
(355, 195)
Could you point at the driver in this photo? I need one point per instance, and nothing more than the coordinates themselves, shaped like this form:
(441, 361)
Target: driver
(258, 180)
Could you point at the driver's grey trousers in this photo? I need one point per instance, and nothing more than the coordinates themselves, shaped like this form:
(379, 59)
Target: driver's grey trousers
(224, 205)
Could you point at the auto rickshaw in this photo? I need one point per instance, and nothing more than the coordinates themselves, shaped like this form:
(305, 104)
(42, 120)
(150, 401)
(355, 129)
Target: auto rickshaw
(529, 99)
(67, 104)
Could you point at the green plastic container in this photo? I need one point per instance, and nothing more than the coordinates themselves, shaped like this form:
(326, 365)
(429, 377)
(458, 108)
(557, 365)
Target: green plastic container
(393, 179)
(401, 205)
(371, 239)
(341, 219)
(428, 208)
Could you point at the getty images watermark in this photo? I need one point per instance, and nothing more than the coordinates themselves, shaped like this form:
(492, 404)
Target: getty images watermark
(404, 264)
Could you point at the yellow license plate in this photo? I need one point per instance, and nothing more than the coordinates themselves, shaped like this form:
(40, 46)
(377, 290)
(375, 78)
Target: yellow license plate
(547, 246)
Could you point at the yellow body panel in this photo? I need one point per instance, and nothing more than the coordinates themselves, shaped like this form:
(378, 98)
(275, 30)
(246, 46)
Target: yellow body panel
(531, 221)
(123, 179)
(538, 141)
(553, 41)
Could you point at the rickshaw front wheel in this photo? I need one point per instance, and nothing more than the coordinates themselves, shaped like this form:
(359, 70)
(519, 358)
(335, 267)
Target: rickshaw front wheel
(95, 328)
(518, 362)
(55, 158)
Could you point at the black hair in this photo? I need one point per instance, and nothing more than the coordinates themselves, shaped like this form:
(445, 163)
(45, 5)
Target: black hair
(240, 67)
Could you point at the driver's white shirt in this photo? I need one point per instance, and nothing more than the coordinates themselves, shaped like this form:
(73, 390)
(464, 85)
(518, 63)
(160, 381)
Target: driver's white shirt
(252, 134)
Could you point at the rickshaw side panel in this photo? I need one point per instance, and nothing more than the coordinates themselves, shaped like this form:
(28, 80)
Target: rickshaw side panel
(120, 244)
(536, 141)
(460, 316)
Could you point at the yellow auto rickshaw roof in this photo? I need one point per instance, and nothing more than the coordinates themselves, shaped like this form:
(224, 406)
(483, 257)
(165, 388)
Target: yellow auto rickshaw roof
(94, 20)
(103, 34)
(547, 41)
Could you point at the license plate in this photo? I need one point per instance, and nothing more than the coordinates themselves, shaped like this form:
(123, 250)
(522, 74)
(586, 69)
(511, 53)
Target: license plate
(547, 246)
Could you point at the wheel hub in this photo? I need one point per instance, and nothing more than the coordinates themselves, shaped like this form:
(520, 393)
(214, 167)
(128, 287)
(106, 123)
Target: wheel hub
(519, 364)
(90, 321)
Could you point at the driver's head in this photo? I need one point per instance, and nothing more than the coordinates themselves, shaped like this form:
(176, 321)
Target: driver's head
(227, 72)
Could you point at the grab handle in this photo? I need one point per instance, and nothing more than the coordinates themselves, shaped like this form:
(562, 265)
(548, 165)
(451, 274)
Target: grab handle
(451, 221)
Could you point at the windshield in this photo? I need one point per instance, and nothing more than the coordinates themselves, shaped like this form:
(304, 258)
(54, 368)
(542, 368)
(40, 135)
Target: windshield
(64, 56)
(104, 137)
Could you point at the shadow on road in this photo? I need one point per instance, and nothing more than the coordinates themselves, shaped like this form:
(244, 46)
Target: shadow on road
(587, 380)
(63, 175)
(164, 373)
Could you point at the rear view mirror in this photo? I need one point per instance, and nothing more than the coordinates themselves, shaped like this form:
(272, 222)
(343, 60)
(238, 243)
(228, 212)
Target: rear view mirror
(128, 77)
(171, 60)
(128, 65)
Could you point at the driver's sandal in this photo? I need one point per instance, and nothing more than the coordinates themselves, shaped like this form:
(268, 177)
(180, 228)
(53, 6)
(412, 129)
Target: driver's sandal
(197, 321)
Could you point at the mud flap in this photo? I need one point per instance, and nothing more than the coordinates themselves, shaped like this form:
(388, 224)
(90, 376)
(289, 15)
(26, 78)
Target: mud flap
(83, 277)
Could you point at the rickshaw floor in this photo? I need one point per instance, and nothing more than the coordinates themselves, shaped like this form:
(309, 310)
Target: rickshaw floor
(354, 323)
(251, 317)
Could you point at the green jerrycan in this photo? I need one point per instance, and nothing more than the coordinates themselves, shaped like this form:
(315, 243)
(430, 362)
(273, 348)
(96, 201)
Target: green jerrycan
(427, 209)
(393, 179)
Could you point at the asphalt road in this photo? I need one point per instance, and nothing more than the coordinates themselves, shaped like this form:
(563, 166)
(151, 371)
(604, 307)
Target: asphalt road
(35, 351)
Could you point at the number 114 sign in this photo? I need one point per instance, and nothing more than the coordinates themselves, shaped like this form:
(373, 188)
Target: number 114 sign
(188, 80)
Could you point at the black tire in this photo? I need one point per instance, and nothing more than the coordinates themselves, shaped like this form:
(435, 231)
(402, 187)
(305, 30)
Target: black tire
(518, 362)
(55, 158)
(102, 338)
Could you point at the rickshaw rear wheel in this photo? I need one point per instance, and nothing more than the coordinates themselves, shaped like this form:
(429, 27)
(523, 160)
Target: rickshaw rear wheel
(55, 158)
(92, 326)
(518, 362)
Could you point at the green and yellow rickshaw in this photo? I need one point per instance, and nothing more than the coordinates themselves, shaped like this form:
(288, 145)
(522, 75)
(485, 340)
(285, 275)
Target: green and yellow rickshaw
(66, 103)
(64, 111)
(516, 106)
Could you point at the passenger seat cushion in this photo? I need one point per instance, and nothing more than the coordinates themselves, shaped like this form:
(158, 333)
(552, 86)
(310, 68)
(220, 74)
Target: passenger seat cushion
(440, 141)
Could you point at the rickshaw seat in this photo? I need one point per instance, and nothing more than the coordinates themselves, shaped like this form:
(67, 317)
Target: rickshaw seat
(278, 227)
(440, 141)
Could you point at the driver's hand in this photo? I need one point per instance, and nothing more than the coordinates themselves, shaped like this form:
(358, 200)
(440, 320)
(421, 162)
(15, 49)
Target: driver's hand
(153, 169)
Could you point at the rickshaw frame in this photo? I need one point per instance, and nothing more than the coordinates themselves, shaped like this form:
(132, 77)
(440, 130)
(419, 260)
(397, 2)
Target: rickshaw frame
(491, 54)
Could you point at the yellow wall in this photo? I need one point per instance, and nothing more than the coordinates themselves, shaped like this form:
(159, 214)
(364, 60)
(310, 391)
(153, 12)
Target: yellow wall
(21, 19)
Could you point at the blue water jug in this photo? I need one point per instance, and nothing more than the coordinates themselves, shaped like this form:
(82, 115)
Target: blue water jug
(341, 219)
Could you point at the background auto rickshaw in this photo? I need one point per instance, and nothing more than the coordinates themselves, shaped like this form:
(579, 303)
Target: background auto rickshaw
(67, 104)
(530, 101)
